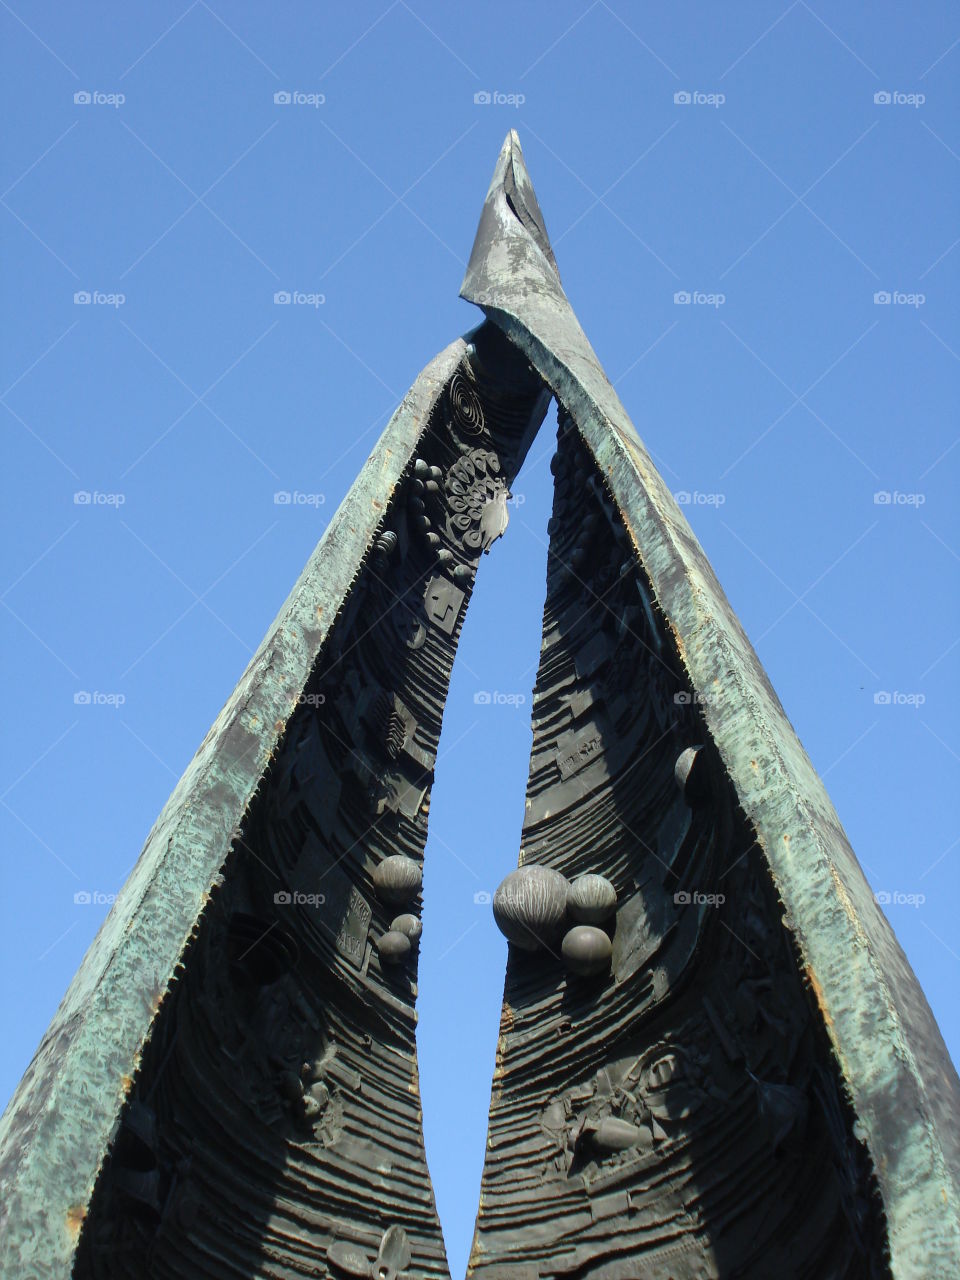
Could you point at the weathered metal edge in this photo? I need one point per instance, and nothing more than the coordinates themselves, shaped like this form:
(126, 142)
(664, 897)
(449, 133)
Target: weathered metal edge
(904, 1088)
(56, 1129)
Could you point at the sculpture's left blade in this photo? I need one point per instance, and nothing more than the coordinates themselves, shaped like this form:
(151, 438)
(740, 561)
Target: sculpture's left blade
(229, 1086)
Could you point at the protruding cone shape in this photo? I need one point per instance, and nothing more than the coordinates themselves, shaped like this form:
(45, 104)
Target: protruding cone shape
(511, 220)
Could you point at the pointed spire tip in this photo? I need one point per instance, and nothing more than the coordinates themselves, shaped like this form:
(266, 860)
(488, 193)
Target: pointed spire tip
(511, 207)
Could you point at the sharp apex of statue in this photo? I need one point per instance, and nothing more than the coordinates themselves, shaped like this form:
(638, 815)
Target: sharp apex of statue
(511, 221)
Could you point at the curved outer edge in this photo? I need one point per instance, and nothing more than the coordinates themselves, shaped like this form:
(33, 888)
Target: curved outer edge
(56, 1129)
(902, 1083)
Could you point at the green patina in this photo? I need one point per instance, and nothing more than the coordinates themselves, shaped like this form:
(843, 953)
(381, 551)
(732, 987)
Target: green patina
(56, 1130)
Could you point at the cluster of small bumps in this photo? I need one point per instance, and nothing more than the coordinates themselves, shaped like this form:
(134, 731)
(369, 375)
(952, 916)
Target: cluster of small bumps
(534, 905)
(397, 881)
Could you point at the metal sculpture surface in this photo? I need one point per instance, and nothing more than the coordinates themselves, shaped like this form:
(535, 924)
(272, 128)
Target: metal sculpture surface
(714, 1060)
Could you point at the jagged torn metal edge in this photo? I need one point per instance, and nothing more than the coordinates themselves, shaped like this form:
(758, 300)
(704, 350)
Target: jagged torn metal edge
(903, 1085)
(56, 1129)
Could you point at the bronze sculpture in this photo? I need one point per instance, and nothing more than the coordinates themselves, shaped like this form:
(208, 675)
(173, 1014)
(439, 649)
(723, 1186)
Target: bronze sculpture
(714, 1059)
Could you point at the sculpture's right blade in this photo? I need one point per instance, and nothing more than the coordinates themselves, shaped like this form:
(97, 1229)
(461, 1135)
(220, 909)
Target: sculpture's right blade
(755, 1086)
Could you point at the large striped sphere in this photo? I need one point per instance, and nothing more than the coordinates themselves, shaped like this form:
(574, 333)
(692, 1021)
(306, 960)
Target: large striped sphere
(530, 906)
(397, 879)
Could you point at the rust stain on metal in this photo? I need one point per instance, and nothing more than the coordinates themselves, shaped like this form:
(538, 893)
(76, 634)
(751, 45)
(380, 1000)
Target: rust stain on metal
(847, 905)
(75, 1216)
(818, 995)
(680, 647)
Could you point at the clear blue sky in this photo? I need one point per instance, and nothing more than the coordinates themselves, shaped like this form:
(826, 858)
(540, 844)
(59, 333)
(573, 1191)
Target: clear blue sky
(785, 408)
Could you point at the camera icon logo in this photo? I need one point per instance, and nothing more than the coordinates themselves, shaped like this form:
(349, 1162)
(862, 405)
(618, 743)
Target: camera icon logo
(82, 498)
(681, 898)
(481, 698)
(81, 298)
(82, 98)
(281, 298)
(282, 498)
(882, 98)
(683, 699)
(881, 298)
(683, 497)
(882, 498)
(282, 98)
(882, 897)
(82, 698)
(82, 897)
(881, 698)
(481, 898)
(681, 298)
(482, 99)
(682, 98)
(282, 898)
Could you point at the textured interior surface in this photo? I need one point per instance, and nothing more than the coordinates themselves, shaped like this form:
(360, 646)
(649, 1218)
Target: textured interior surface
(681, 1115)
(904, 1089)
(274, 1124)
(755, 1088)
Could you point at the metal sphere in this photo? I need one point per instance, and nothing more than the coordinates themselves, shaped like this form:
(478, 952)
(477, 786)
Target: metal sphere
(586, 950)
(397, 879)
(592, 899)
(393, 947)
(530, 905)
(409, 926)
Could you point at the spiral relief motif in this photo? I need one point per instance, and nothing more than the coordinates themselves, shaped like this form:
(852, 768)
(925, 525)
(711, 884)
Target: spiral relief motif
(465, 406)
(471, 483)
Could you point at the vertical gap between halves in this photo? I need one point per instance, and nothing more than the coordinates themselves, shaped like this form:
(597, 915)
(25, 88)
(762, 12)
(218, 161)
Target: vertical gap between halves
(476, 814)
